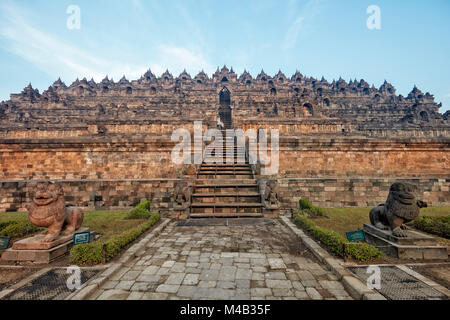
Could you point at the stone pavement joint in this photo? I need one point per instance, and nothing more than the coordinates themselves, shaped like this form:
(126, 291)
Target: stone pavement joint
(357, 289)
(257, 261)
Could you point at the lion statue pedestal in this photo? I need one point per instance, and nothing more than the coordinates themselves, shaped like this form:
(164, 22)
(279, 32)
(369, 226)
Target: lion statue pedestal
(388, 232)
(48, 210)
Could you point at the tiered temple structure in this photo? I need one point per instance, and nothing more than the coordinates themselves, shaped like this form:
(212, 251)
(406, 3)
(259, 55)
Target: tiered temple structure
(356, 106)
(341, 143)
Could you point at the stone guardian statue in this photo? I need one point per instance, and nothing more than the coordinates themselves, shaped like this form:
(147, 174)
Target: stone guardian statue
(401, 206)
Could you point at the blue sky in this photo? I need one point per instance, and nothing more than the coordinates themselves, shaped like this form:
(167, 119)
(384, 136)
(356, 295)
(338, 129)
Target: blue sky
(317, 37)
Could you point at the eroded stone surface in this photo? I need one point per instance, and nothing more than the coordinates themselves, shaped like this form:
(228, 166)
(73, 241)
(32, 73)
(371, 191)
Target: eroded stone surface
(218, 262)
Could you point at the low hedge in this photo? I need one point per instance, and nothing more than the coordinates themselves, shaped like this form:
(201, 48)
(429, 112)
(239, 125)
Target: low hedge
(92, 253)
(439, 226)
(3, 225)
(336, 243)
(310, 210)
(141, 211)
(18, 229)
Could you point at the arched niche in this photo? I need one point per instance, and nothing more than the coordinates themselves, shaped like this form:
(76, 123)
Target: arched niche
(423, 115)
(225, 97)
(308, 109)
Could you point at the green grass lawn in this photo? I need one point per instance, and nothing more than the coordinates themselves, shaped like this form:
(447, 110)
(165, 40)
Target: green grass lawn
(106, 223)
(342, 220)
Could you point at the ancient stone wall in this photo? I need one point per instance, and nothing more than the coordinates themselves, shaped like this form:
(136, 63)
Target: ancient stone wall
(87, 158)
(335, 127)
(146, 157)
(324, 192)
(94, 194)
(103, 128)
(354, 157)
(357, 192)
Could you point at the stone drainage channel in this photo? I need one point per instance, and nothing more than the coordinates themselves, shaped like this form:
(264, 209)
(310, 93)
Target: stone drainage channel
(226, 259)
(46, 284)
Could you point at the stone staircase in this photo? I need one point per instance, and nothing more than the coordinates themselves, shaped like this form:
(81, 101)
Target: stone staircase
(226, 117)
(226, 190)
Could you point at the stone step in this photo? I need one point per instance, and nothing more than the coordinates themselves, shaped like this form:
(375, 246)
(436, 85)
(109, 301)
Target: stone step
(219, 195)
(218, 176)
(224, 160)
(212, 171)
(226, 197)
(236, 211)
(235, 205)
(225, 166)
(226, 182)
(234, 162)
(229, 154)
(228, 200)
(224, 173)
(224, 152)
(226, 215)
(225, 189)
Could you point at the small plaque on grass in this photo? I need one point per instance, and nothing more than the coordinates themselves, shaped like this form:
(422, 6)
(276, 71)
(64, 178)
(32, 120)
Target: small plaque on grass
(355, 236)
(82, 237)
(4, 242)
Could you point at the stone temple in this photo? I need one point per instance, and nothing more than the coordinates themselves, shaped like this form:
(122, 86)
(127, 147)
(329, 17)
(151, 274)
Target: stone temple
(109, 143)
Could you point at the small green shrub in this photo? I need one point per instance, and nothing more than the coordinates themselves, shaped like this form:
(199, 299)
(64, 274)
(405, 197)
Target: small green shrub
(92, 253)
(314, 212)
(337, 243)
(3, 225)
(144, 204)
(304, 204)
(362, 251)
(141, 211)
(306, 208)
(136, 213)
(439, 226)
(18, 229)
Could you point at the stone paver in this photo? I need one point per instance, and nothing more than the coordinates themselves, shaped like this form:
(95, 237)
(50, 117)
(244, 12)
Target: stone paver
(218, 262)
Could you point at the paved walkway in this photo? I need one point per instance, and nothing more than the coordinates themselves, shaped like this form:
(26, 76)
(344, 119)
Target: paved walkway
(217, 262)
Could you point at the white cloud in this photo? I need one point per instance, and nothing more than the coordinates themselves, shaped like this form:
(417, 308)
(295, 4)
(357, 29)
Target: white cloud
(179, 58)
(60, 58)
(293, 32)
(301, 22)
(137, 4)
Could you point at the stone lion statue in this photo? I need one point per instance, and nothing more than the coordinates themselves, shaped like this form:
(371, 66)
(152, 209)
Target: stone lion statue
(48, 210)
(271, 194)
(401, 206)
(182, 193)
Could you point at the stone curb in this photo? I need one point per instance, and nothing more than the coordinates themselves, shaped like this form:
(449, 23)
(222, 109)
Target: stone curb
(357, 289)
(92, 285)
